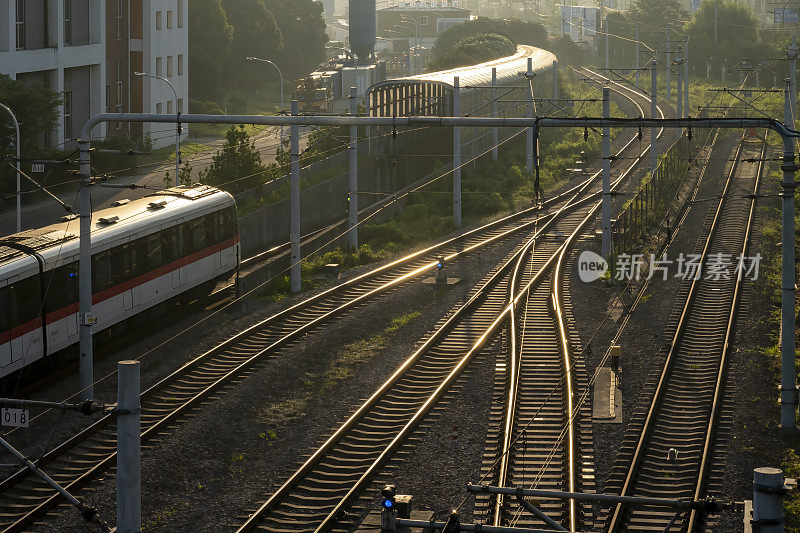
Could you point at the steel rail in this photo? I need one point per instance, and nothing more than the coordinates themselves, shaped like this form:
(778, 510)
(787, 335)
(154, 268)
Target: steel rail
(513, 366)
(716, 405)
(618, 518)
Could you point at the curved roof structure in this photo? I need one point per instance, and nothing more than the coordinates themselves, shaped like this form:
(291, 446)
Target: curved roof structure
(481, 74)
(432, 93)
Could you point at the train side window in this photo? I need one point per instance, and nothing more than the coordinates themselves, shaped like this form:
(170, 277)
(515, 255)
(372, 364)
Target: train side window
(186, 238)
(118, 264)
(227, 224)
(101, 271)
(170, 244)
(212, 227)
(25, 301)
(154, 244)
(5, 318)
(198, 234)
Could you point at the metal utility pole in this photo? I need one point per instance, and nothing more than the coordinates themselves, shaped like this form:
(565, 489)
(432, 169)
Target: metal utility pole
(788, 374)
(294, 200)
(606, 204)
(456, 154)
(724, 68)
(495, 131)
(529, 131)
(768, 485)
(19, 190)
(679, 86)
(792, 53)
(716, 40)
(653, 112)
(283, 109)
(555, 80)
(686, 77)
(669, 67)
(636, 29)
(353, 149)
(177, 123)
(85, 316)
(129, 469)
(606, 27)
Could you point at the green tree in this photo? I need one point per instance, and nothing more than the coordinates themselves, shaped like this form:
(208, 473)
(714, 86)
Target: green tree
(518, 31)
(655, 16)
(473, 50)
(238, 165)
(256, 33)
(302, 25)
(36, 109)
(737, 34)
(210, 40)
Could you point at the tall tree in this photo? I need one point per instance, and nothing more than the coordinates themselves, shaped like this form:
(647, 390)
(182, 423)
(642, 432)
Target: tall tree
(238, 165)
(210, 40)
(36, 109)
(655, 16)
(518, 31)
(256, 33)
(303, 28)
(737, 34)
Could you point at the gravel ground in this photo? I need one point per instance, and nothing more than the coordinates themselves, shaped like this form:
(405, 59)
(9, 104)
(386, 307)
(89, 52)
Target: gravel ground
(754, 439)
(229, 457)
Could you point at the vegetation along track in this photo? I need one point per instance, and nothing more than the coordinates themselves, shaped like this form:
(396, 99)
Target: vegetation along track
(536, 438)
(670, 457)
(316, 496)
(77, 461)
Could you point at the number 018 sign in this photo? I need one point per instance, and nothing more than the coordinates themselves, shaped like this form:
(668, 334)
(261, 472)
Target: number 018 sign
(15, 417)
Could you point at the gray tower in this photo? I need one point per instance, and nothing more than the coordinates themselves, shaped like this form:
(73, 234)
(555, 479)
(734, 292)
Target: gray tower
(362, 29)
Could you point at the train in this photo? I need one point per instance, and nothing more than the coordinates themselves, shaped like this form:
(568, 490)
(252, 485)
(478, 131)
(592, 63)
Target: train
(180, 241)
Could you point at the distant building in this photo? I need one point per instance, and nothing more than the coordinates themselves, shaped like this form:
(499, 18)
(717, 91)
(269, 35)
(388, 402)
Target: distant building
(88, 50)
(581, 24)
(419, 20)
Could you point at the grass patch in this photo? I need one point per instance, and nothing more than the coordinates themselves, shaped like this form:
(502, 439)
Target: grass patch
(345, 363)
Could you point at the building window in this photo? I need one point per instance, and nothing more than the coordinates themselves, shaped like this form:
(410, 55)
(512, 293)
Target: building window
(158, 108)
(119, 86)
(67, 22)
(20, 25)
(118, 19)
(67, 115)
(159, 69)
(180, 64)
(423, 20)
(169, 20)
(169, 66)
(158, 20)
(169, 107)
(180, 13)
(180, 105)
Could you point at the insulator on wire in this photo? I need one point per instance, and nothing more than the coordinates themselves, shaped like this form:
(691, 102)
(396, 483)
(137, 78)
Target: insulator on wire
(639, 135)
(585, 133)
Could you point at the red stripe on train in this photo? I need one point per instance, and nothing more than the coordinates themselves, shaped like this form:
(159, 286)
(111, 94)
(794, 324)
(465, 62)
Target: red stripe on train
(116, 290)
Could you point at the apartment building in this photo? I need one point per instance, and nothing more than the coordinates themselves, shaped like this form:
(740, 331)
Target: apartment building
(89, 50)
(60, 45)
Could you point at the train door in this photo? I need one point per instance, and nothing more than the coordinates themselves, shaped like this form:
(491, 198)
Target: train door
(132, 295)
(5, 326)
(180, 252)
(26, 319)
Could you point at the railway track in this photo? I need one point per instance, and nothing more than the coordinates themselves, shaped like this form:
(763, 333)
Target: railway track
(77, 461)
(670, 454)
(537, 438)
(320, 492)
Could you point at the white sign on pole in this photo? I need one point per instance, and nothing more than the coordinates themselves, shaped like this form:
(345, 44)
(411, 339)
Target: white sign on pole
(18, 418)
(37, 168)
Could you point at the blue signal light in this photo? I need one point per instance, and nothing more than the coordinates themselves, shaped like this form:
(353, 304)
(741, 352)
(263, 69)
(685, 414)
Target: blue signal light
(387, 503)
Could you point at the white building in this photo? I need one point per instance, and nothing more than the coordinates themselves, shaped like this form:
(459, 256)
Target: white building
(161, 48)
(59, 45)
(581, 23)
(89, 50)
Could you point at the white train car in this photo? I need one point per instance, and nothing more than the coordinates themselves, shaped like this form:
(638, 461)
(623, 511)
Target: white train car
(144, 252)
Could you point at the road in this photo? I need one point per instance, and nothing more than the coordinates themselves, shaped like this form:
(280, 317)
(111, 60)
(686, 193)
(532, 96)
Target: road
(44, 211)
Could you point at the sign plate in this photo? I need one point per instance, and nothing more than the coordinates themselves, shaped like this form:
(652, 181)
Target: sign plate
(37, 167)
(18, 418)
